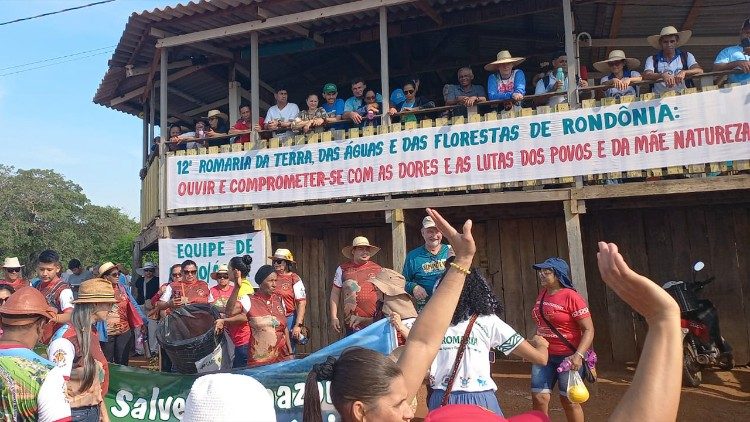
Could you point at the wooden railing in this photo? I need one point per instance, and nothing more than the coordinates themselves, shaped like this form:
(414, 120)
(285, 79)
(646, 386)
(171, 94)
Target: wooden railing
(150, 203)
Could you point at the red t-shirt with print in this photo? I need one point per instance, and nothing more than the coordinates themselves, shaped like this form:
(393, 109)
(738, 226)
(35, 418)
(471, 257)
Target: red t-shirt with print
(563, 310)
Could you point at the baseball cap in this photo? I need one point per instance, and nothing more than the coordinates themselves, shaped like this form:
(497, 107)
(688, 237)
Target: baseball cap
(428, 222)
(467, 412)
(329, 87)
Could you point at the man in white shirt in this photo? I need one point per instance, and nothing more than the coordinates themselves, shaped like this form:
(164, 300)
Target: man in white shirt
(281, 116)
(549, 83)
(670, 64)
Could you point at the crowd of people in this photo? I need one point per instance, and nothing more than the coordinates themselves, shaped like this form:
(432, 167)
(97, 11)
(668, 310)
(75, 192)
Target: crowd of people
(668, 69)
(94, 322)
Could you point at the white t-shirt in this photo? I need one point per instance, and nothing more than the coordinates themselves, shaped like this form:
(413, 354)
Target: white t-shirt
(541, 88)
(674, 66)
(66, 300)
(52, 403)
(337, 278)
(62, 353)
(474, 372)
(617, 93)
(286, 114)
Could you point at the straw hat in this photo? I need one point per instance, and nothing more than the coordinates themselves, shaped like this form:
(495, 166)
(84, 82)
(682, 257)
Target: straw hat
(682, 36)
(12, 262)
(223, 269)
(96, 290)
(25, 306)
(503, 57)
(359, 241)
(284, 254)
(616, 55)
(223, 397)
(395, 299)
(146, 266)
(212, 113)
(106, 267)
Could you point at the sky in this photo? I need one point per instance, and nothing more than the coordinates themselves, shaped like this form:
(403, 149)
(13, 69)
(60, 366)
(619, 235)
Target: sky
(51, 120)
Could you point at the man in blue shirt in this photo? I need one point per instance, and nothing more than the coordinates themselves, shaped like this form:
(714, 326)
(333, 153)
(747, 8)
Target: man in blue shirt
(425, 264)
(736, 57)
(333, 105)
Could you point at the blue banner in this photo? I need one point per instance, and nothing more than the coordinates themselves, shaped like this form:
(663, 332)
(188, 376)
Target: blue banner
(141, 395)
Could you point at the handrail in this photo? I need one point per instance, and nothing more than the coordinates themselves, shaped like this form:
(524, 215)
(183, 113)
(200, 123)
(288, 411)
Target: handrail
(648, 82)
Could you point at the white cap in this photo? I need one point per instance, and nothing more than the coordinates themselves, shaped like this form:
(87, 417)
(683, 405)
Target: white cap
(428, 222)
(227, 398)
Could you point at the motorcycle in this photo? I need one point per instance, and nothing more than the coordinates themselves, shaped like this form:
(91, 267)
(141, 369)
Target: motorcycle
(703, 346)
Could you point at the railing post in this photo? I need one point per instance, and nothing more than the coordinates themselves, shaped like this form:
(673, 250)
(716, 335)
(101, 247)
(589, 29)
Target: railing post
(234, 96)
(254, 80)
(572, 210)
(384, 76)
(164, 131)
(146, 138)
(570, 51)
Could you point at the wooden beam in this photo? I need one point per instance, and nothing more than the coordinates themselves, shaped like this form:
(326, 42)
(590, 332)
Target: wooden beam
(149, 87)
(398, 238)
(265, 14)
(428, 10)
(641, 42)
(692, 16)
(205, 108)
(614, 28)
(278, 21)
(203, 46)
(131, 71)
(575, 247)
(185, 95)
(663, 187)
(263, 225)
(361, 60)
(491, 198)
(249, 96)
(246, 72)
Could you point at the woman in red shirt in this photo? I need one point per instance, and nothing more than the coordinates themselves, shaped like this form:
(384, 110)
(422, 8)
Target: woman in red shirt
(565, 310)
(122, 320)
(291, 289)
(269, 336)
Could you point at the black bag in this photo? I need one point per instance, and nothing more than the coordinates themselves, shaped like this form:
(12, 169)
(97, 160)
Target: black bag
(187, 335)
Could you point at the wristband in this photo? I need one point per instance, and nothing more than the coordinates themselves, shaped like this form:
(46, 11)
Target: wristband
(460, 268)
(579, 354)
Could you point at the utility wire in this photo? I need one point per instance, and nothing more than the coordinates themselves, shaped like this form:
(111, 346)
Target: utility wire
(56, 63)
(56, 58)
(59, 11)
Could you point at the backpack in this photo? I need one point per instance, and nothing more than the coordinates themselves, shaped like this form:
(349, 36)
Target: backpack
(684, 57)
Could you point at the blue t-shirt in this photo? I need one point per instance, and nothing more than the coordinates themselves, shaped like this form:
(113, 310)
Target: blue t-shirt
(335, 109)
(733, 54)
(424, 269)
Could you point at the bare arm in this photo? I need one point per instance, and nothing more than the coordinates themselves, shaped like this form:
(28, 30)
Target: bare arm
(654, 394)
(534, 350)
(428, 330)
(334, 308)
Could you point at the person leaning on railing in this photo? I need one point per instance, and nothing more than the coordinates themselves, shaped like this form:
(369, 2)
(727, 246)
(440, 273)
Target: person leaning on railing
(619, 73)
(505, 83)
(465, 94)
(412, 102)
(312, 119)
(736, 57)
(670, 64)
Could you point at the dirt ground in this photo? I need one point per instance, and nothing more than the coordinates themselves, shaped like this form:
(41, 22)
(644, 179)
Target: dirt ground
(723, 396)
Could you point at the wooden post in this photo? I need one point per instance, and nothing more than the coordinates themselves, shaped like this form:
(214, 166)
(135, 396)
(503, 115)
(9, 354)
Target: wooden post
(264, 225)
(384, 81)
(152, 117)
(137, 254)
(234, 96)
(146, 139)
(164, 132)
(254, 80)
(573, 209)
(570, 51)
(398, 237)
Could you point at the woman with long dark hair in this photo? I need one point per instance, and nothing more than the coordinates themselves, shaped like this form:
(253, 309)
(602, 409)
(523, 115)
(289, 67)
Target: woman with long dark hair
(75, 348)
(123, 320)
(366, 385)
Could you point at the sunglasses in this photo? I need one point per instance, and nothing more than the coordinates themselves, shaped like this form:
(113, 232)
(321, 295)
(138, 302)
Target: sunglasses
(408, 91)
(176, 275)
(369, 98)
(12, 270)
(278, 261)
(213, 118)
(619, 62)
(189, 271)
(148, 270)
(115, 274)
(222, 276)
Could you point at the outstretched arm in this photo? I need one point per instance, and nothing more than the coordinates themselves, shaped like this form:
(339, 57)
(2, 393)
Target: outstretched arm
(428, 330)
(654, 394)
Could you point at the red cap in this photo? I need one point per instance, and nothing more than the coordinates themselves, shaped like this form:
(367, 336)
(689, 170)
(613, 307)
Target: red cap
(465, 412)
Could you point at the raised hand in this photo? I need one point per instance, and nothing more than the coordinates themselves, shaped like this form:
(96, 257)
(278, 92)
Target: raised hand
(462, 243)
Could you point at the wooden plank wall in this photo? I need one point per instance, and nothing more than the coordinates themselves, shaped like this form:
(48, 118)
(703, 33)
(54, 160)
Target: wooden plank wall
(663, 243)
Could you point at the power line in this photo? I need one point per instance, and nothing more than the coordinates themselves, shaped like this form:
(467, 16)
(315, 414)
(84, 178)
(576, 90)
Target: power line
(56, 63)
(59, 11)
(56, 58)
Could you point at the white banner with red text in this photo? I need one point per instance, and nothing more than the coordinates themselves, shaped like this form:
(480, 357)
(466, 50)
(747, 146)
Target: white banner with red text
(689, 129)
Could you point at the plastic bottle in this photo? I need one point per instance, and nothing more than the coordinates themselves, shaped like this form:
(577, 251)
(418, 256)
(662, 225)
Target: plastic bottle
(561, 77)
(566, 365)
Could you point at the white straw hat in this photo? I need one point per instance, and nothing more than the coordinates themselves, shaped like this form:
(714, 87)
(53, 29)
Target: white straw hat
(228, 397)
(503, 57)
(359, 241)
(614, 56)
(682, 36)
(12, 262)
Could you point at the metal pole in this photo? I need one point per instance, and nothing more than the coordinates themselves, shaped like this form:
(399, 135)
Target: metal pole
(164, 133)
(254, 79)
(570, 51)
(384, 65)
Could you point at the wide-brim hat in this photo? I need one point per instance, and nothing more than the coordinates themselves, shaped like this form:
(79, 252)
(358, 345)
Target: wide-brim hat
(25, 306)
(12, 262)
(223, 397)
(395, 298)
(615, 56)
(503, 57)
(682, 36)
(96, 290)
(359, 241)
(219, 113)
(223, 269)
(146, 266)
(284, 254)
(106, 267)
(561, 269)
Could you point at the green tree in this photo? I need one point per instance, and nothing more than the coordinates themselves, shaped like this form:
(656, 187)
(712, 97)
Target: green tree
(43, 210)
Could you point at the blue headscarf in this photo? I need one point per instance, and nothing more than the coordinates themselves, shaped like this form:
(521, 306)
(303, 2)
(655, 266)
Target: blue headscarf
(561, 269)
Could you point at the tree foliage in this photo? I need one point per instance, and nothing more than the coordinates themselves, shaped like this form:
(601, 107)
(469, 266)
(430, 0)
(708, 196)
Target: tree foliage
(42, 210)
